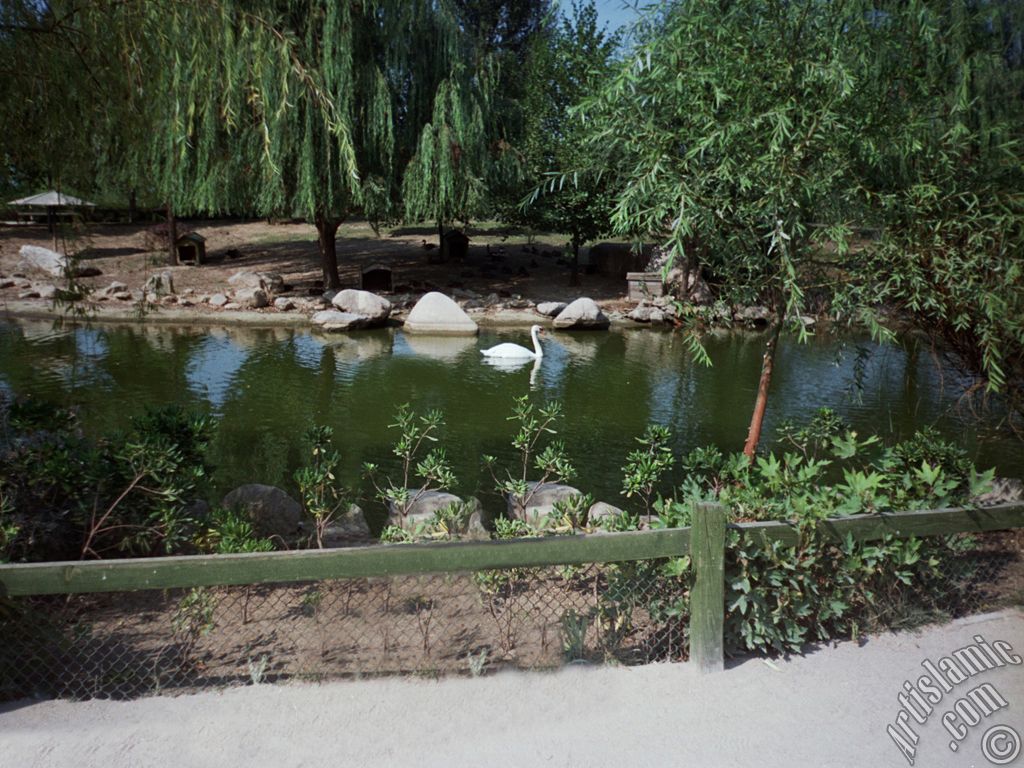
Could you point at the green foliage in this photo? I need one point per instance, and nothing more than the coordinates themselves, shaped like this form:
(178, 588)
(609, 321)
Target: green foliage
(551, 460)
(564, 66)
(416, 433)
(228, 531)
(322, 499)
(73, 496)
(646, 465)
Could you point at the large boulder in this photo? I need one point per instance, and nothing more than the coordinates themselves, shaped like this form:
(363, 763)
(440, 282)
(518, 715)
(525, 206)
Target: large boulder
(369, 305)
(550, 308)
(333, 321)
(160, 284)
(755, 315)
(601, 511)
(437, 313)
(252, 298)
(423, 510)
(582, 314)
(347, 529)
(271, 511)
(539, 503)
(34, 258)
(270, 282)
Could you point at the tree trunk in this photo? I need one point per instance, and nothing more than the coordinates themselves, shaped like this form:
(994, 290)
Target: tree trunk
(327, 231)
(574, 277)
(51, 221)
(172, 237)
(761, 402)
(131, 206)
(442, 248)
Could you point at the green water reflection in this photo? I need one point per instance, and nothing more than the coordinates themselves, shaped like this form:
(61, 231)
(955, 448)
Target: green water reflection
(265, 386)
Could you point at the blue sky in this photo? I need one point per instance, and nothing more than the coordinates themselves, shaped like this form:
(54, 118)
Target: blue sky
(615, 13)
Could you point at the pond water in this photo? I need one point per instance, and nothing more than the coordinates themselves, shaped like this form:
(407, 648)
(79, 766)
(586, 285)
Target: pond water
(266, 386)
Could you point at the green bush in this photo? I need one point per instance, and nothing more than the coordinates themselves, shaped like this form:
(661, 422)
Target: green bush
(65, 495)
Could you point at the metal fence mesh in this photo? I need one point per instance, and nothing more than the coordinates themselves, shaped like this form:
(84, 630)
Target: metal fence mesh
(129, 644)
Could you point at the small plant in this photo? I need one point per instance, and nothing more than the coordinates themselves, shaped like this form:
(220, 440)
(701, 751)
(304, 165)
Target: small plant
(258, 669)
(646, 465)
(551, 461)
(321, 498)
(430, 466)
(478, 662)
(228, 531)
(574, 634)
(193, 618)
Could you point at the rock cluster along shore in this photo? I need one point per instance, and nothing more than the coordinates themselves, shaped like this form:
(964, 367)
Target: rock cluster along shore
(276, 515)
(433, 313)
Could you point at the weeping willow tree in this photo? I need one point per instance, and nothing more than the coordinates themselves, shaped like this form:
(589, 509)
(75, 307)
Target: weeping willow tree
(297, 107)
(65, 106)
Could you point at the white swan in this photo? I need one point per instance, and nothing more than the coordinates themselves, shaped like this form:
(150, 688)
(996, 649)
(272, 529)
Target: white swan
(507, 350)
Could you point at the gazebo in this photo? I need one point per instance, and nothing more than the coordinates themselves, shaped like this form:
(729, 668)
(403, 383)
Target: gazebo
(52, 201)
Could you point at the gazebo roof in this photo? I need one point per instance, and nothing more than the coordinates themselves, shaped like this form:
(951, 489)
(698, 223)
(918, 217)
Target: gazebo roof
(51, 199)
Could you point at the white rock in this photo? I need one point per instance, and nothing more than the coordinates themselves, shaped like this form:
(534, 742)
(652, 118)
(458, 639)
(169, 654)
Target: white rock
(252, 298)
(332, 320)
(114, 287)
(756, 314)
(369, 305)
(218, 300)
(437, 313)
(159, 284)
(268, 281)
(582, 314)
(539, 502)
(601, 510)
(284, 304)
(38, 259)
(550, 308)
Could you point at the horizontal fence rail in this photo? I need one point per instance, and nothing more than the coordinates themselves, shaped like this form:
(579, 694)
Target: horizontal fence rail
(400, 604)
(185, 571)
(392, 560)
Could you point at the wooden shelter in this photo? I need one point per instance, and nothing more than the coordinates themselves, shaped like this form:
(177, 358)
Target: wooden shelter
(54, 203)
(190, 246)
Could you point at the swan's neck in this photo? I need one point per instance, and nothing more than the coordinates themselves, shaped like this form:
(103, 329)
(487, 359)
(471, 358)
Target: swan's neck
(538, 350)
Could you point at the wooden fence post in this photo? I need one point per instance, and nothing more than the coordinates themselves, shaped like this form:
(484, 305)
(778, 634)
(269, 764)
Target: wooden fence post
(707, 600)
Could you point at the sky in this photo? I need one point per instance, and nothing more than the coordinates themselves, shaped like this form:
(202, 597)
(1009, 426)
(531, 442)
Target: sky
(615, 13)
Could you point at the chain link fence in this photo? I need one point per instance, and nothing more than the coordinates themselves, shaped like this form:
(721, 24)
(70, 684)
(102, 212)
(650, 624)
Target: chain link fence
(129, 644)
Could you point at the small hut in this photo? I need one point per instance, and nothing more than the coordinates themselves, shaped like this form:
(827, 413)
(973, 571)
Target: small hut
(455, 246)
(190, 247)
(54, 203)
(376, 278)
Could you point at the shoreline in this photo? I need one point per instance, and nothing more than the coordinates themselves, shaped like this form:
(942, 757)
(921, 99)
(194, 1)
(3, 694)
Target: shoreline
(166, 315)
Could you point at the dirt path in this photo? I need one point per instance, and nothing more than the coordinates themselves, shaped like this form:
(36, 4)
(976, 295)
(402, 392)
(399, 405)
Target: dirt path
(830, 707)
(500, 261)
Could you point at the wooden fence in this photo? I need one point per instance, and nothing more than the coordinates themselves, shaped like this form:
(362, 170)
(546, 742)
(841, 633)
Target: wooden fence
(704, 541)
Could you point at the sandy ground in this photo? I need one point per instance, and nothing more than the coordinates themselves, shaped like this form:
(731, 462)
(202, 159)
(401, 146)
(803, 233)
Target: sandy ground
(830, 707)
(502, 261)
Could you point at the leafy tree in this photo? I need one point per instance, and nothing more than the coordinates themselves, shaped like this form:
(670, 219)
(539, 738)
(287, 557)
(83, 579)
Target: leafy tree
(948, 183)
(301, 107)
(735, 124)
(565, 66)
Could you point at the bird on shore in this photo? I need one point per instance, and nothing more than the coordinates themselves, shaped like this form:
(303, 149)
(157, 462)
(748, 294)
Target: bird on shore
(508, 350)
(428, 246)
